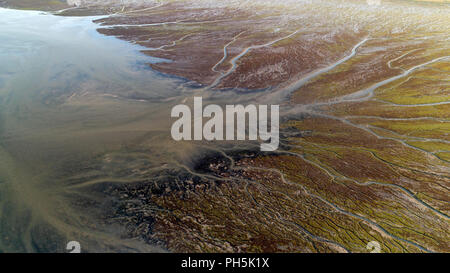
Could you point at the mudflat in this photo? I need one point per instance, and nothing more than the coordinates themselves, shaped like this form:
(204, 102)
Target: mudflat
(364, 150)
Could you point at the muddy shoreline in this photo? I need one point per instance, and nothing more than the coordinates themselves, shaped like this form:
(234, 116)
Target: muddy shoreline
(364, 149)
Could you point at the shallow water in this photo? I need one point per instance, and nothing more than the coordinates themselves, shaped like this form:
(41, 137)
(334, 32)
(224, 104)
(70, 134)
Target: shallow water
(68, 95)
